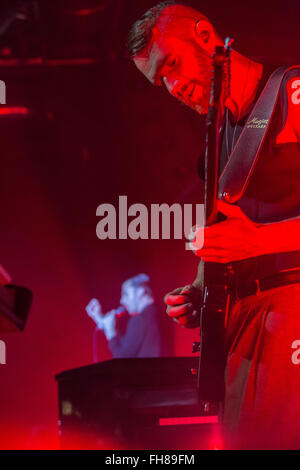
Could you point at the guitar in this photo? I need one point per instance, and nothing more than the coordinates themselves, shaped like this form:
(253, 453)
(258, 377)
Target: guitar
(211, 278)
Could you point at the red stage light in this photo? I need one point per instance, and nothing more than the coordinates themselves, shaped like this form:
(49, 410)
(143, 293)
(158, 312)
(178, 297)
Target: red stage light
(14, 110)
(188, 420)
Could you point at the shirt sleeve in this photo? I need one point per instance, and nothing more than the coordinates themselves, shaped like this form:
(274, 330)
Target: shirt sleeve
(291, 129)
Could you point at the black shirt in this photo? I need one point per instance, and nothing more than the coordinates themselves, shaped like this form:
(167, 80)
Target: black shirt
(142, 336)
(273, 193)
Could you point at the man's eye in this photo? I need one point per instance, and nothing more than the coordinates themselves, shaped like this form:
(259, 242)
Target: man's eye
(172, 61)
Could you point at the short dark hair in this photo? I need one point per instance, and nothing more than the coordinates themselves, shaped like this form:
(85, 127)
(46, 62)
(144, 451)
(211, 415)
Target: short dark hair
(141, 32)
(141, 280)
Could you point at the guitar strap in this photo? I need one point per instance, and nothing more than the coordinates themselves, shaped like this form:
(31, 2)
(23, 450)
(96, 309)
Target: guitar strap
(235, 177)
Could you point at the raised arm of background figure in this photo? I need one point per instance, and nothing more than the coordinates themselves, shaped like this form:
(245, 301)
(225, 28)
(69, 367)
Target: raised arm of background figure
(105, 322)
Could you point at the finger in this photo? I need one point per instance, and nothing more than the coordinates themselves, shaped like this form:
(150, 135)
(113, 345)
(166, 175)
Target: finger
(188, 290)
(190, 246)
(178, 293)
(179, 310)
(183, 298)
(213, 231)
(214, 242)
(189, 321)
(175, 299)
(192, 232)
(171, 294)
(175, 291)
(213, 237)
(196, 229)
(231, 210)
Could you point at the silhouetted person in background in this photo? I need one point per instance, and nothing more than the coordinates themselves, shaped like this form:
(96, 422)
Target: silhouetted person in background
(132, 330)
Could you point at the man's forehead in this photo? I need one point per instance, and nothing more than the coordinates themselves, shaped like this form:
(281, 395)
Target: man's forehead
(127, 288)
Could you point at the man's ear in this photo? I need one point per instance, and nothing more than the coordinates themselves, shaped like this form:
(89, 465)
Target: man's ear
(205, 36)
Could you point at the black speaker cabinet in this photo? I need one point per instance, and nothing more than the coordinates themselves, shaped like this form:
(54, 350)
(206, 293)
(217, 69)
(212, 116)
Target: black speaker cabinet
(149, 403)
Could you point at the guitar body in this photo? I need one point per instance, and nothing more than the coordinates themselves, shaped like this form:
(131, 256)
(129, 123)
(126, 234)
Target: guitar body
(211, 280)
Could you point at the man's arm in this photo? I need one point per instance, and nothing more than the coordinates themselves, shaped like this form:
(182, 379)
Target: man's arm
(281, 236)
(130, 343)
(234, 239)
(239, 238)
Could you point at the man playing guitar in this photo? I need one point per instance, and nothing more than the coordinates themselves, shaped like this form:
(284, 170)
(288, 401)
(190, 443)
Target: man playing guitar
(172, 45)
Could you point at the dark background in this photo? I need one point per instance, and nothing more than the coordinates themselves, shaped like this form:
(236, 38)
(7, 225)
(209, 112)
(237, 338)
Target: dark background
(95, 131)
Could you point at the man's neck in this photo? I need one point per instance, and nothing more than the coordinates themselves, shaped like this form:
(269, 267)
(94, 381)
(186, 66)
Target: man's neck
(245, 77)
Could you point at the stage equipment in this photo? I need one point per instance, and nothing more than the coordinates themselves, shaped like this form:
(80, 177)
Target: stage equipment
(137, 403)
(15, 302)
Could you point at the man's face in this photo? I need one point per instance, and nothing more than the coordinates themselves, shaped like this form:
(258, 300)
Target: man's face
(179, 64)
(129, 299)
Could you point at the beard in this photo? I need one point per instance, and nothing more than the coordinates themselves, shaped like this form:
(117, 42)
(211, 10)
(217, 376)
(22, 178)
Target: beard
(195, 91)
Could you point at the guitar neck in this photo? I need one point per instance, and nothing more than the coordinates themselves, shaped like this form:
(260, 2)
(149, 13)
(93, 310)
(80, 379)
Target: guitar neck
(213, 142)
(211, 174)
(210, 279)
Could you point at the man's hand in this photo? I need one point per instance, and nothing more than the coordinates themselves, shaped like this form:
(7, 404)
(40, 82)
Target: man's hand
(182, 306)
(234, 239)
(94, 311)
(106, 323)
(109, 324)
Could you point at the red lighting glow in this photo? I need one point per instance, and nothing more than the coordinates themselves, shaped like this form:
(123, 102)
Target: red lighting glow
(188, 420)
(14, 110)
